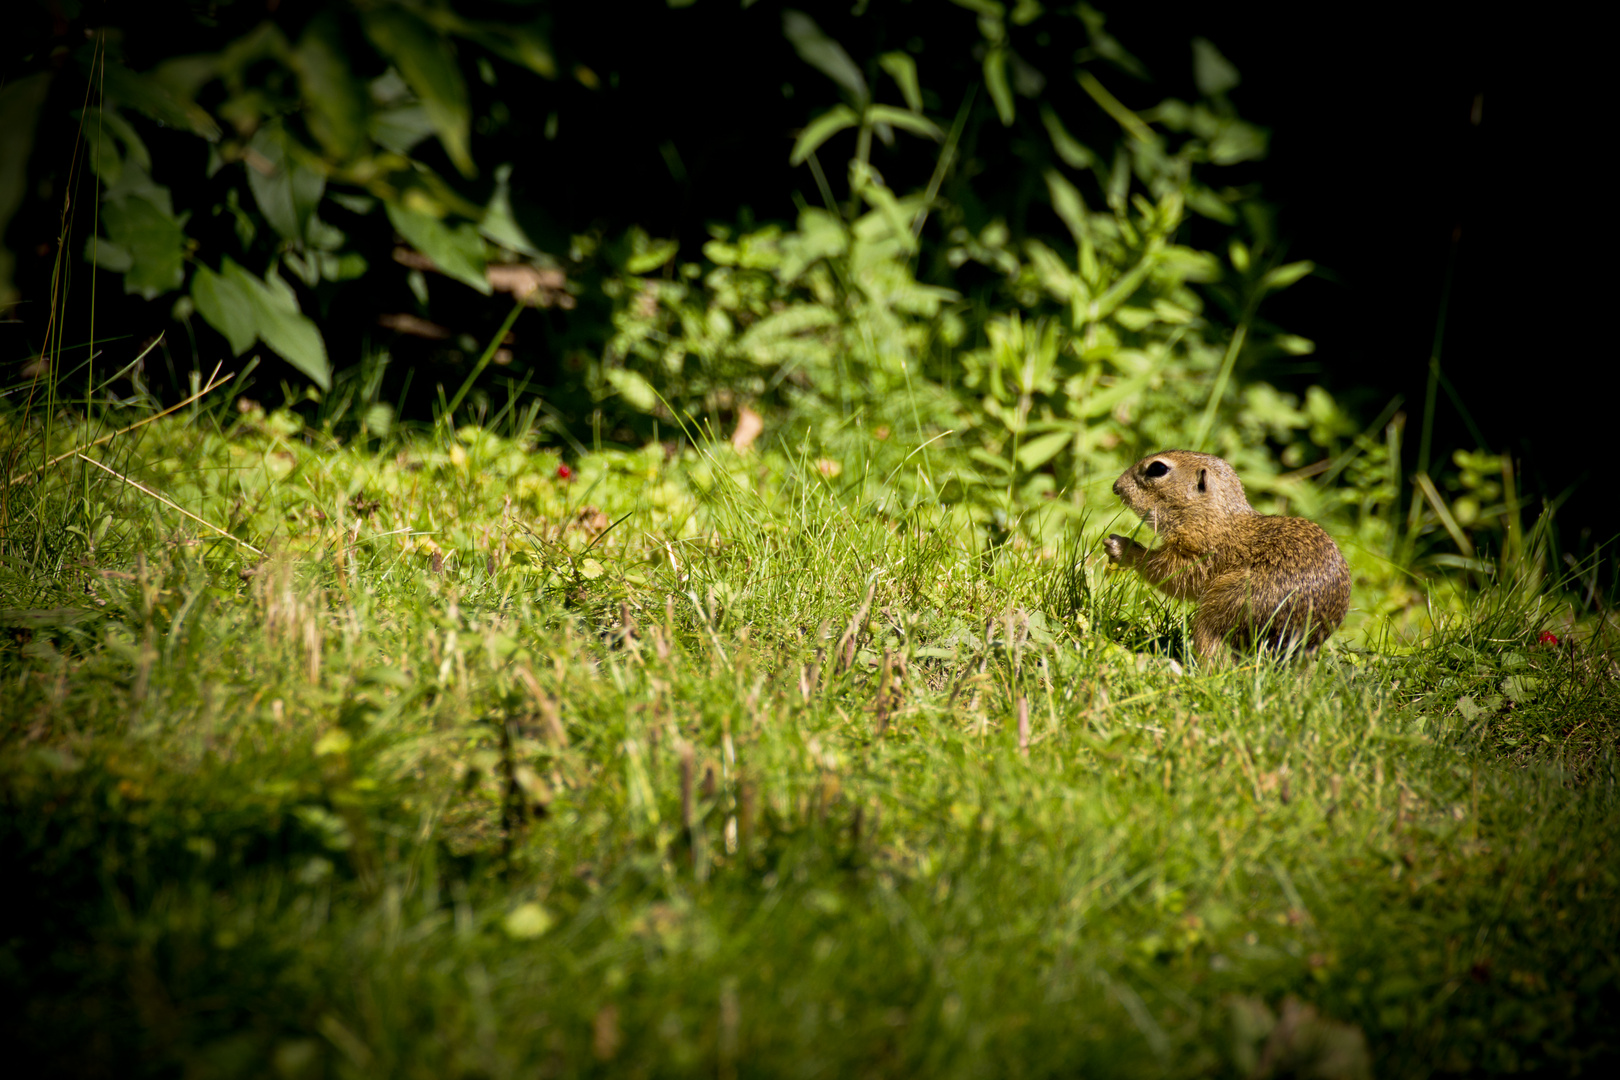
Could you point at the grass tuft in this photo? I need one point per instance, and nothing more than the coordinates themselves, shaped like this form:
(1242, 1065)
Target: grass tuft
(439, 762)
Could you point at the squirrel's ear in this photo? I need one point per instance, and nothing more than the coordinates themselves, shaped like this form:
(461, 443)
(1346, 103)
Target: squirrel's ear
(1201, 475)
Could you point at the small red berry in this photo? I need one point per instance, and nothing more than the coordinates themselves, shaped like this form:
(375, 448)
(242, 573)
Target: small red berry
(1547, 637)
(564, 472)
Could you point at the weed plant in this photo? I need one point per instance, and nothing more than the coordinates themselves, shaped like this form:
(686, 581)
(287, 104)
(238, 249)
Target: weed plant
(424, 754)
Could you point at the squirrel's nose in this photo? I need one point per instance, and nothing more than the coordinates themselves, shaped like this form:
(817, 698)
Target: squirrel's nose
(1116, 488)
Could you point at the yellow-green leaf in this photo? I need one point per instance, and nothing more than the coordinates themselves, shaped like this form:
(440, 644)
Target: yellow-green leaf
(903, 70)
(1283, 276)
(820, 130)
(917, 125)
(995, 80)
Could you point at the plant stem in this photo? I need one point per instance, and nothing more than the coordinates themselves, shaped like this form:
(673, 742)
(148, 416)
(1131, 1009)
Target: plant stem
(483, 362)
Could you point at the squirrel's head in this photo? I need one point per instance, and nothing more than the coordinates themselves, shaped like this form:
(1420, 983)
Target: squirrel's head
(1175, 489)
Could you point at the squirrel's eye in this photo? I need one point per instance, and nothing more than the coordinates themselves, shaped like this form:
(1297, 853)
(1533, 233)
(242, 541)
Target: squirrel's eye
(1156, 470)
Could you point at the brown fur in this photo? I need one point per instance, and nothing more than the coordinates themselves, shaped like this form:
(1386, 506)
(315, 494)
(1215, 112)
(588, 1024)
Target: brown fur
(1258, 579)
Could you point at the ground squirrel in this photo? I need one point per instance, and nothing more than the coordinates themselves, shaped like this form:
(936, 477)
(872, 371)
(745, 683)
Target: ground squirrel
(1273, 581)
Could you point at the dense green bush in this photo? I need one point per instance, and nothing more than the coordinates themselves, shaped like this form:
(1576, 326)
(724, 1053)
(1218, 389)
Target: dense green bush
(971, 240)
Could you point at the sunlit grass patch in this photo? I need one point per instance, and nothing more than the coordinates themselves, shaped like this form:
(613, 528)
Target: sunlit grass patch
(710, 762)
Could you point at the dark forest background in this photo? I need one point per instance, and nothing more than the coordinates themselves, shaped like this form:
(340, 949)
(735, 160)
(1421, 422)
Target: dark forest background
(1402, 144)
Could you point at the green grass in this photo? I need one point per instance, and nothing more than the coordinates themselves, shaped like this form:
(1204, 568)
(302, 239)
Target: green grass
(455, 783)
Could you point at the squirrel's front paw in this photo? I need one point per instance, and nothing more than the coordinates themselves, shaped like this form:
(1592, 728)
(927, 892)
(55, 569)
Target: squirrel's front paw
(1117, 546)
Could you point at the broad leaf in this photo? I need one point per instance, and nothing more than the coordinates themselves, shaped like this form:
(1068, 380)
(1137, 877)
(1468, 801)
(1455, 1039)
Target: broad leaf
(335, 104)
(226, 308)
(402, 127)
(285, 188)
(526, 45)
(425, 61)
(105, 256)
(154, 240)
(279, 325)
(118, 83)
(457, 252)
(634, 388)
(499, 225)
(105, 160)
(1043, 448)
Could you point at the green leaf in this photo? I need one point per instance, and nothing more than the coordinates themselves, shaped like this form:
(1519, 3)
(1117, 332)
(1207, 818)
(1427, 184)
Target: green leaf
(401, 128)
(118, 83)
(655, 254)
(635, 389)
(154, 240)
(820, 235)
(1237, 141)
(820, 130)
(106, 256)
(1206, 203)
(1106, 46)
(771, 339)
(1043, 448)
(1189, 264)
(903, 69)
(917, 125)
(1520, 688)
(1074, 153)
(457, 252)
(1062, 282)
(1283, 276)
(1213, 72)
(986, 458)
(335, 103)
(288, 192)
(1102, 402)
(345, 267)
(995, 80)
(121, 129)
(426, 63)
(527, 45)
(105, 160)
(276, 320)
(225, 307)
(499, 225)
(894, 215)
(1068, 204)
(824, 54)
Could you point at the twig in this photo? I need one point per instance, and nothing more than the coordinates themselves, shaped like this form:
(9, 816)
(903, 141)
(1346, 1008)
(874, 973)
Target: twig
(169, 503)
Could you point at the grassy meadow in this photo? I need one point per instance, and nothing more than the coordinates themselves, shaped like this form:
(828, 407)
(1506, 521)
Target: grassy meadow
(426, 754)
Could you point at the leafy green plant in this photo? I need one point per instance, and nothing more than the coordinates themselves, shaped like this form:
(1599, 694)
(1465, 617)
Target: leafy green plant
(1083, 350)
(310, 140)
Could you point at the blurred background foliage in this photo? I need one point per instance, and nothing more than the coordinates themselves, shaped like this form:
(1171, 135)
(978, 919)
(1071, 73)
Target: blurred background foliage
(977, 228)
